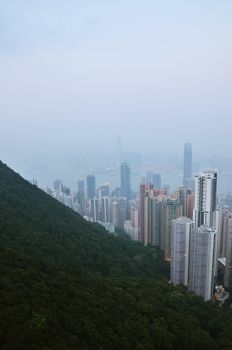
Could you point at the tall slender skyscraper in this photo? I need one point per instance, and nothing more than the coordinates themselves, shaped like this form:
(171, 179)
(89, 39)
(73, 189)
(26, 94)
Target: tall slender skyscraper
(187, 174)
(123, 210)
(105, 209)
(202, 261)
(180, 246)
(115, 213)
(228, 269)
(81, 197)
(143, 212)
(91, 186)
(94, 207)
(205, 199)
(126, 180)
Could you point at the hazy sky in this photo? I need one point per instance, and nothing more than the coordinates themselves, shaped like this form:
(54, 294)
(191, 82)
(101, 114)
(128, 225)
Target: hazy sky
(76, 74)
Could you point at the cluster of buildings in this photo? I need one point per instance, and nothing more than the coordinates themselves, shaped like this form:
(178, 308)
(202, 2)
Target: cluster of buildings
(187, 224)
(115, 210)
(201, 244)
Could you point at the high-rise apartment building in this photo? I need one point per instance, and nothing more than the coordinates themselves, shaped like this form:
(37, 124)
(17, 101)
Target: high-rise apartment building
(228, 251)
(125, 180)
(226, 214)
(94, 209)
(182, 194)
(106, 209)
(115, 213)
(205, 199)
(91, 186)
(187, 176)
(144, 190)
(171, 208)
(180, 246)
(202, 261)
(123, 210)
(135, 217)
(80, 198)
(190, 205)
(156, 214)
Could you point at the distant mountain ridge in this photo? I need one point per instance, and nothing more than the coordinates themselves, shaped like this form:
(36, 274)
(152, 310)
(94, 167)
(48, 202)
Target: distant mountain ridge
(68, 284)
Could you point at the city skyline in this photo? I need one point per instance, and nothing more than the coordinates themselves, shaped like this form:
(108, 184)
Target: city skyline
(116, 174)
(191, 226)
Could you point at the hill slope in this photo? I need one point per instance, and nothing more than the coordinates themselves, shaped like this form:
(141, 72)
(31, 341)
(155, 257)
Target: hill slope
(38, 225)
(68, 284)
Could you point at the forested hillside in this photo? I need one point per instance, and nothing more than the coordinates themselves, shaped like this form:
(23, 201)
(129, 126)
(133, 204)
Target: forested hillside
(33, 222)
(68, 284)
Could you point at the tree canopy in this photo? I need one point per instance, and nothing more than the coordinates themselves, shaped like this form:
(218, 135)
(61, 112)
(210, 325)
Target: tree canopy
(68, 284)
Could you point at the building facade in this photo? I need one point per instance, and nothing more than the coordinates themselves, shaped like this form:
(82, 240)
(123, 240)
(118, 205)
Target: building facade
(180, 246)
(205, 199)
(91, 186)
(202, 261)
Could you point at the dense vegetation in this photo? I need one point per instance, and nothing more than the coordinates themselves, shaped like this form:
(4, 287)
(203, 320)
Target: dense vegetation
(68, 284)
(36, 224)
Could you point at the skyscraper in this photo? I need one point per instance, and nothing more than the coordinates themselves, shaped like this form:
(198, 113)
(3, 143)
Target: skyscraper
(81, 202)
(228, 269)
(126, 180)
(115, 214)
(226, 215)
(144, 188)
(106, 209)
(123, 209)
(154, 179)
(91, 186)
(156, 214)
(171, 208)
(182, 194)
(180, 245)
(205, 199)
(135, 217)
(202, 261)
(187, 173)
(81, 186)
(94, 209)
(190, 205)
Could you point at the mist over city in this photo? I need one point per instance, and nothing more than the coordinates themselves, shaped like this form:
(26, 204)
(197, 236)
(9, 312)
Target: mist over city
(115, 174)
(76, 75)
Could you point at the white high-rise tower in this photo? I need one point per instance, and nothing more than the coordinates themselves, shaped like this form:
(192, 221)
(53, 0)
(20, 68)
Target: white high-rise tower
(205, 199)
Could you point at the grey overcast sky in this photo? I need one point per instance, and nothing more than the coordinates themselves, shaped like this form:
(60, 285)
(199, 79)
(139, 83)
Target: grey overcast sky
(75, 74)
